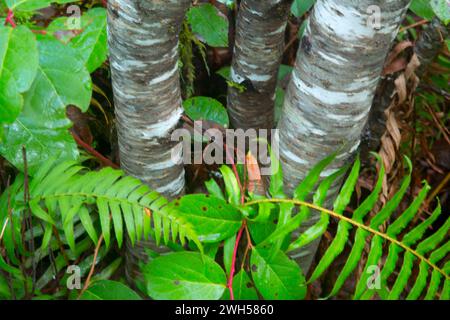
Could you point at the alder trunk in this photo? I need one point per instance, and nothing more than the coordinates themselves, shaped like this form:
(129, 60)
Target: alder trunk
(257, 56)
(328, 99)
(143, 43)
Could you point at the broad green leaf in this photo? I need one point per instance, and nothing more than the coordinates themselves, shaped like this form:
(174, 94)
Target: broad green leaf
(207, 22)
(184, 276)
(204, 108)
(276, 276)
(109, 290)
(212, 218)
(18, 67)
(441, 9)
(91, 44)
(43, 126)
(422, 8)
(32, 5)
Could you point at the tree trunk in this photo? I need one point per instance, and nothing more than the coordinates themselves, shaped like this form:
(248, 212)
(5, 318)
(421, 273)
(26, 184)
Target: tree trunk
(143, 42)
(328, 100)
(430, 44)
(257, 56)
(427, 48)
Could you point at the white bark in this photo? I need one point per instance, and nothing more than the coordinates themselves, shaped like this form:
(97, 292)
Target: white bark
(257, 56)
(143, 42)
(328, 100)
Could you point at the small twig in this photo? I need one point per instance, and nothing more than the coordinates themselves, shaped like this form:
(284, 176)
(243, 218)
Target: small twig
(105, 161)
(91, 271)
(438, 123)
(417, 24)
(438, 188)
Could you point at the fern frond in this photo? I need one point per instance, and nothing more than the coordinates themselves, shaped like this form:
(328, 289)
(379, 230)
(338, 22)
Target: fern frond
(69, 195)
(411, 250)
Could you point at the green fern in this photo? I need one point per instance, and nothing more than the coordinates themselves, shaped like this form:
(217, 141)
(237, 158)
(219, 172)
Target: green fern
(413, 250)
(69, 197)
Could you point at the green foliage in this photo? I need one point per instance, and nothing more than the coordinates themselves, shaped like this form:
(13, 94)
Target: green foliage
(61, 80)
(32, 5)
(83, 204)
(243, 288)
(62, 211)
(109, 290)
(213, 219)
(18, 67)
(91, 44)
(275, 276)
(300, 7)
(184, 276)
(427, 9)
(79, 205)
(204, 108)
(40, 77)
(207, 22)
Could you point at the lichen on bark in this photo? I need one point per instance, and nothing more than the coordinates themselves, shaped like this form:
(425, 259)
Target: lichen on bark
(143, 43)
(257, 56)
(328, 100)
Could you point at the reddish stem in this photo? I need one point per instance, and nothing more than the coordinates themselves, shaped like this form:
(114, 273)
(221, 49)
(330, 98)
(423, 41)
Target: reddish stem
(241, 230)
(95, 153)
(10, 19)
(244, 225)
(39, 31)
(233, 261)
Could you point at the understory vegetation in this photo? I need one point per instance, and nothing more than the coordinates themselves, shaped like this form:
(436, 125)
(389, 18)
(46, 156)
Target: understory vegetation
(71, 217)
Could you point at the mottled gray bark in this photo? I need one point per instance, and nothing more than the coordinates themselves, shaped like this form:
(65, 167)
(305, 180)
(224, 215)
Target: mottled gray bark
(143, 42)
(257, 56)
(427, 48)
(328, 100)
(430, 44)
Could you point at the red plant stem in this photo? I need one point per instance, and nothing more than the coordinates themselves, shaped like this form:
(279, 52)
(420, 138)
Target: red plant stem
(244, 225)
(95, 153)
(241, 230)
(233, 261)
(39, 31)
(10, 19)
